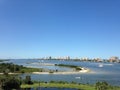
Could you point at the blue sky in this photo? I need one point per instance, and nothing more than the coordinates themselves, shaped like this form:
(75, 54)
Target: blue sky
(76, 28)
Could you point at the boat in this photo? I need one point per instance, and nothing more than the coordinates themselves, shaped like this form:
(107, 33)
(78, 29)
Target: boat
(77, 77)
(100, 65)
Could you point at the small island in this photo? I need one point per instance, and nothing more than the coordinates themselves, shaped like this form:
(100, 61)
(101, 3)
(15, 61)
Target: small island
(76, 70)
(18, 69)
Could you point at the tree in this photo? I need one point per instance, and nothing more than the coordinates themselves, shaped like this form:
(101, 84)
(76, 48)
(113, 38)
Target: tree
(101, 86)
(10, 83)
(97, 86)
(104, 85)
(5, 72)
(28, 80)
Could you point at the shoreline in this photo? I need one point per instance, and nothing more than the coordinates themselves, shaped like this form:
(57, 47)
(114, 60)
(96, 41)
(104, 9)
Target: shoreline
(84, 70)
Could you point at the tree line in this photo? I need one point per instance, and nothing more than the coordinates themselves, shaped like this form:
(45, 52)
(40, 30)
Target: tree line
(10, 67)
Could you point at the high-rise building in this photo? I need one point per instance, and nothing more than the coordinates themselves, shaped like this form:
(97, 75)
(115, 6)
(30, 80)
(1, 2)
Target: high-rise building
(50, 57)
(114, 59)
(68, 57)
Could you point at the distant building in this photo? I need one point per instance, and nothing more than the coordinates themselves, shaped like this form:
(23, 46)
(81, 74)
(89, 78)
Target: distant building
(85, 59)
(114, 59)
(97, 60)
(50, 57)
(68, 58)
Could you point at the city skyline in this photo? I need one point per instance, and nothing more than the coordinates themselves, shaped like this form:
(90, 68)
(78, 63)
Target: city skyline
(83, 28)
(80, 58)
(66, 57)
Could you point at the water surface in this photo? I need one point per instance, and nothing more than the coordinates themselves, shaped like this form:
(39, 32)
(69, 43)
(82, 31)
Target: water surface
(110, 72)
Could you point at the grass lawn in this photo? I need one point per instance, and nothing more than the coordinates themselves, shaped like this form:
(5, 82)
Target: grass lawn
(59, 85)
(84, 87)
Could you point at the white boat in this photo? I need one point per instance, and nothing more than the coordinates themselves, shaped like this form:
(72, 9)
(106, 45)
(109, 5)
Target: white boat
(77, 77)
(100, 65)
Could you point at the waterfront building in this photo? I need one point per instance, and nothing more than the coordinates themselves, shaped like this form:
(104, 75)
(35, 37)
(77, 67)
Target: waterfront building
(114, 59)
(50, 57)
(97, 60)
(84, 59)
(67, 57)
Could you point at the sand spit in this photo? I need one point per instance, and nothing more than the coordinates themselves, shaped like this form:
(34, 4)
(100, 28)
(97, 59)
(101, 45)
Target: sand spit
(84, 70)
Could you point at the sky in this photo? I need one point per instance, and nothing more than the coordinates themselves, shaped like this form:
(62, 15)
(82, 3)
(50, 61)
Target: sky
(76, 28)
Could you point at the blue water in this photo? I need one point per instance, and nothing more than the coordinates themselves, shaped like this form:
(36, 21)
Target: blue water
(110, 72)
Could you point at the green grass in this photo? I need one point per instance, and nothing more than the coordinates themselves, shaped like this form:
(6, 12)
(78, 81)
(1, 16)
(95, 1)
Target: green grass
(57, 85)
(60, 85)
(10, 67)
(70, 66)
(29, 70)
